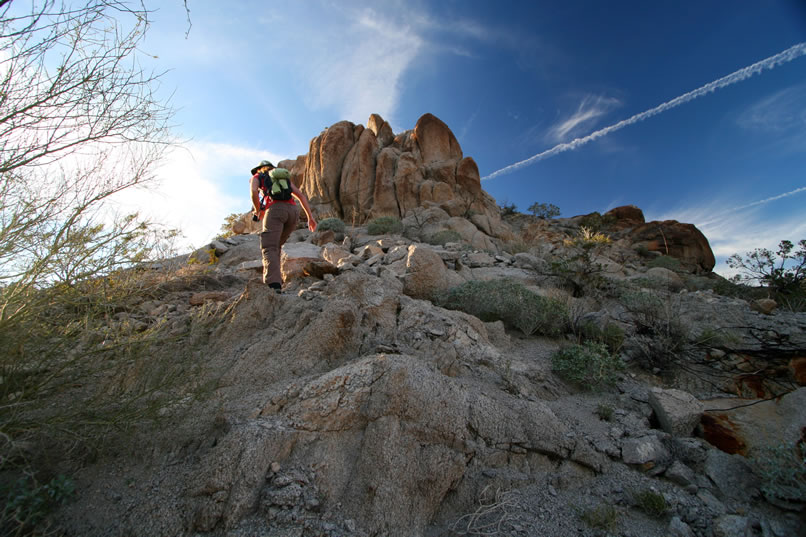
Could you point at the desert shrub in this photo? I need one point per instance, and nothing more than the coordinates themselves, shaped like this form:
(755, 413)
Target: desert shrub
(782, 272)
(333, 224)
(783, 472)
(508, 209)
(544, 210)
(602, 517)
(510, 302)
(139, 370)
(660, 334)
(444, 237)
(611, 335)
(596, 222)
(516, 246)
(665, 261)
(578, 270)
(650, 502)
(643, 251)
(589, 365)
(226, 227)
(604, 412)
(713, 337)
(26, 503)
(384, 225)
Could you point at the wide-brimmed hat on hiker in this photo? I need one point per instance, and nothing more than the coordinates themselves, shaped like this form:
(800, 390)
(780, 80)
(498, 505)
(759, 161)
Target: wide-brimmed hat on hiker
(262, 163)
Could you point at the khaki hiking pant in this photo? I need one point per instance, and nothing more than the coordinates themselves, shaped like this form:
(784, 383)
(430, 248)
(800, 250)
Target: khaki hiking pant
(278, 223)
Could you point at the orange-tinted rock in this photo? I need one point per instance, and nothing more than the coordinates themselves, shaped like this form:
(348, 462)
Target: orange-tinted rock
(719, 431)
(357, 186)
(356, 173)
(798, 368)
(629, 213)
(682, 241)
(764, 305)
(323, 168)
(435, 140)
(381, 129)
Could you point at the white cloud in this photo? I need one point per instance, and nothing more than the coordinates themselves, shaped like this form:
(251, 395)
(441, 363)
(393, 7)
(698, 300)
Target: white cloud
(586, 116)
(191, 193)
(782, 111)
(360, 70)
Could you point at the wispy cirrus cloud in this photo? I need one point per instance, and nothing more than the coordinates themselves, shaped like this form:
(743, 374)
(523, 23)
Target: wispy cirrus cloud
(779, 120)
(742, 227)
(783, 111)
(359, 71)
(589, 111)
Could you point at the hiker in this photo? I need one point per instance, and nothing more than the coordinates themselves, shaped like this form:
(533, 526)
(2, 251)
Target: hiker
(280, 218)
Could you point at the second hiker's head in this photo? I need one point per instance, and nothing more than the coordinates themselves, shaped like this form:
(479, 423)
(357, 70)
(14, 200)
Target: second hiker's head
(264, 166)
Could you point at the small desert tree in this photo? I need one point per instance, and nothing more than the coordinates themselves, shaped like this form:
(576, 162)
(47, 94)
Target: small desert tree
(544, 210)
(782, 272)
(80, 122)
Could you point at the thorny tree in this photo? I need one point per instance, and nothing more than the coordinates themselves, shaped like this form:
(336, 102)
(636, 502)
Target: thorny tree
(79, 122)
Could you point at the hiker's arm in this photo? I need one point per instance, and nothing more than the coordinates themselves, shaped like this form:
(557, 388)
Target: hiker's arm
(305, 206)
(253, 186)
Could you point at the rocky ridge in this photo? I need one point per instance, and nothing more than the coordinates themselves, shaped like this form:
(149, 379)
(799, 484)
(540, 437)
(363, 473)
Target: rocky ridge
(353, 405)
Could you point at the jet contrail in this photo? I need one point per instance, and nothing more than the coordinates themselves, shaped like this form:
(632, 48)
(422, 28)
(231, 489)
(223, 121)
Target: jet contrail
(719, 216)
(781, 58)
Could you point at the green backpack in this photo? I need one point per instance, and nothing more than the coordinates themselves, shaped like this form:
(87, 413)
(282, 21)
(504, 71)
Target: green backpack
(277, 184)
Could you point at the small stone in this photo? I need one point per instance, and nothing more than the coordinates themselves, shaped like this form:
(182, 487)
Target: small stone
(764, 305)
(678, 528)
(711, 502)
(678, 412)
(681, 474)
(643, 450)
(732, 526)
(275, 467)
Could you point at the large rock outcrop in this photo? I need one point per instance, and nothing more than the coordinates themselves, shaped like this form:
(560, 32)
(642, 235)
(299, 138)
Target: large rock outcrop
(357, 173)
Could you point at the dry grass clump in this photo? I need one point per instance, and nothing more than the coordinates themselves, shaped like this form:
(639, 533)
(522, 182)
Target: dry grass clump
(510, 302)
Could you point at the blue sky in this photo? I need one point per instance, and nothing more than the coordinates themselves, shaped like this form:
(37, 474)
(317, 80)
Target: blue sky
(512, 79)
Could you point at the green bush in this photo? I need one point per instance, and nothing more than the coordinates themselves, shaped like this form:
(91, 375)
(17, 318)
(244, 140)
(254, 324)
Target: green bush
(544, 210)
(444, 237)
(27, 503)
(508, 209)
(665, 261)
(611, 335)
(658, 326)
(603, 517)
(650, 502)
(643, 251)
(510, 302)
(604, 412)
(335, 225)
(589, 365)
(226, 227)
(384, 225)
(597, 222)
(783, 472)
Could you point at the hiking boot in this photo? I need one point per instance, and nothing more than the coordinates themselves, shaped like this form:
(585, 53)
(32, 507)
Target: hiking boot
(277, 287)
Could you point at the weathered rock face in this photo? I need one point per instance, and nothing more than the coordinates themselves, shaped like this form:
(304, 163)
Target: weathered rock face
(356, 174)
(627, 214)
(683, 241)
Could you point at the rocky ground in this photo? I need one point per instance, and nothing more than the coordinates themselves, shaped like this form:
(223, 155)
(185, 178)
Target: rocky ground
(352, 405)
